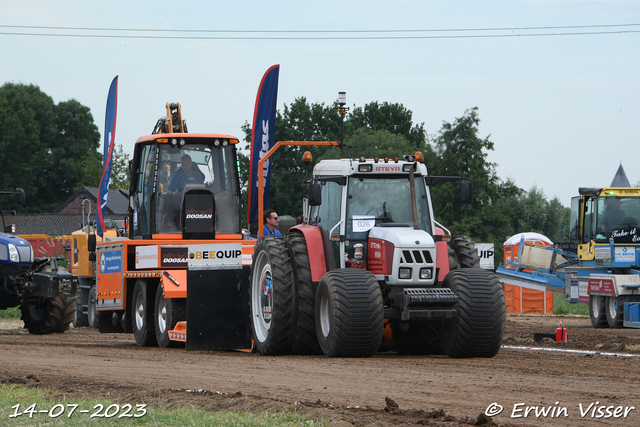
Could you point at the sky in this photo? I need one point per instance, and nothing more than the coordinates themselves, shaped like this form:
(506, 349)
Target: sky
(561, 108)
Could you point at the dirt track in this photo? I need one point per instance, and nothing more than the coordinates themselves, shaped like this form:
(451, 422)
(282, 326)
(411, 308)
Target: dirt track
(428, 390)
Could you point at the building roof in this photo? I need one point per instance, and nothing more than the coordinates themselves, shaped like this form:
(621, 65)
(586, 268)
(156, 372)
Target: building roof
(51, 224)
(620, 179)
(117, 200)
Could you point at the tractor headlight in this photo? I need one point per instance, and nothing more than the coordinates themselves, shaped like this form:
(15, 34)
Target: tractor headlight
(425, 273)
(31, 256)
(13, 253)
(404, 273)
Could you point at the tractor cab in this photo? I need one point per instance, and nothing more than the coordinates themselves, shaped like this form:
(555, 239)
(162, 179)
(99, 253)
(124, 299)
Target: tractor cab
(604, 215)
(366, 211)
(185, 185)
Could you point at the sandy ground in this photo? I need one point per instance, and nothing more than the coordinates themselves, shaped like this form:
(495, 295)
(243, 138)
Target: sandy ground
(578, 383)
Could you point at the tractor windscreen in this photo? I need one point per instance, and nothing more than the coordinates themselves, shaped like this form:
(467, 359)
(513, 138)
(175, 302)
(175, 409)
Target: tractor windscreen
(618, 218)
(196, 165)
(384, 199)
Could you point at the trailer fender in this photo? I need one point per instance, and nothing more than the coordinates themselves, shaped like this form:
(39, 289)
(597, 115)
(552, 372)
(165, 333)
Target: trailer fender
(317, 259)
(174, 283)
(442, 256)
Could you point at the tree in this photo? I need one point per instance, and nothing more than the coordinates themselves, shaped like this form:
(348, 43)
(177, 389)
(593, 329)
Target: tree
(392, 118)
(119, 169)
(532, 212)
(459, 151)
(46, 149)
(375, 130)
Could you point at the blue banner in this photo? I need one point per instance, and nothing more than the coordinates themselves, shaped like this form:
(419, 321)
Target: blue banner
(109, 142)
(262, 131)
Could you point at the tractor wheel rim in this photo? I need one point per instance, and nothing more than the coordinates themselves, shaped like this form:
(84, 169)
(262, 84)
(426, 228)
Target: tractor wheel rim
(162, 315)
(325, 321)
(262, 297)
(139, 312)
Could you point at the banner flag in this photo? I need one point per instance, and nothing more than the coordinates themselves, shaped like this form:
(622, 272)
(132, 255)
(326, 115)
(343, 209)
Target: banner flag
(262, 132)
(109, 142)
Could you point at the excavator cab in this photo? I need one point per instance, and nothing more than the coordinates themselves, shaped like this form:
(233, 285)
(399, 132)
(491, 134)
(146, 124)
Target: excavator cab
(183, 184)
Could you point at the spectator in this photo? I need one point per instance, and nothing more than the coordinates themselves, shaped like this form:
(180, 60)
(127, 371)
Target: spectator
(271, 221)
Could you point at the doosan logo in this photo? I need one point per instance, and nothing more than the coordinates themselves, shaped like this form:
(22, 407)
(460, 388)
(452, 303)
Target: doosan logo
(170, 258)
(195, 214)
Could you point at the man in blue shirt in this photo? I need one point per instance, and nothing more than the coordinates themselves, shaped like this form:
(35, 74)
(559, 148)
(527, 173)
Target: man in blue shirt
(186, 175)
(271, 221)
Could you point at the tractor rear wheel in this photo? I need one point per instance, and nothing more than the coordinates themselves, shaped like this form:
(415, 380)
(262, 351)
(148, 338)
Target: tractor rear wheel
(142, 315)
(273, 297)
(420, 337)
(597, 312)
(478, 329)
(49, 315)
(305, 340)
(349, 313)
(462, 253)
(169, 311)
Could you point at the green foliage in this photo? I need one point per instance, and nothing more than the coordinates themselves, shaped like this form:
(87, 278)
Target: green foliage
(391, 118)
(119, 178)
(48, 150)
(10, 313)
(561, 307)
(533, 212)
(459, 151)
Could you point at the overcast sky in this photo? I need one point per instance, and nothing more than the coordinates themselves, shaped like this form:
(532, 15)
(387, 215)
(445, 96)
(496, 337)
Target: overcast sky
(563, 110)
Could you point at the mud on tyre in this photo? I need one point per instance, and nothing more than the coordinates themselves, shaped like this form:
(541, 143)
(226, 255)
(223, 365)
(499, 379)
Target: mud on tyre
(49, 315)
(478, 329)
(273, 296)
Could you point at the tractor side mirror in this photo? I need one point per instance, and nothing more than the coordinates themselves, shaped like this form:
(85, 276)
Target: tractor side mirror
(91, 243)
(315, 194)
(466, 190)
(20, 196)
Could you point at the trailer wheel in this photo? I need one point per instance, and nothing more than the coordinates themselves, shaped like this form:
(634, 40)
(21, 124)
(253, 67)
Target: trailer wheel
(419, 337)
(48, 315)
(169, 311)
(273, 296)
(92, 308)
(462, 253)
(597, 312)
(305, 340)
(478, 329)
(349, 313)
(142, 315)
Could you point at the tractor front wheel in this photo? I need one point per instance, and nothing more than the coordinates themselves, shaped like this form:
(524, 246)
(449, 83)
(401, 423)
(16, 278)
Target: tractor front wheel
(49, 315)
(349, 313)
(478, 329)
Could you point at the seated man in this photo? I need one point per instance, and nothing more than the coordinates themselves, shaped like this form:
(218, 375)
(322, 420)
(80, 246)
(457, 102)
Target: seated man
(364, 205)
(613, 216)
(187, 174)
(170, 202)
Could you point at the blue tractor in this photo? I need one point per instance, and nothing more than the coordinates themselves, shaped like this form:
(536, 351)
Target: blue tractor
(44, 291)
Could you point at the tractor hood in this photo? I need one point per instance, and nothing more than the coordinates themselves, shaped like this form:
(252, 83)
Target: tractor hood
(403, 237)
